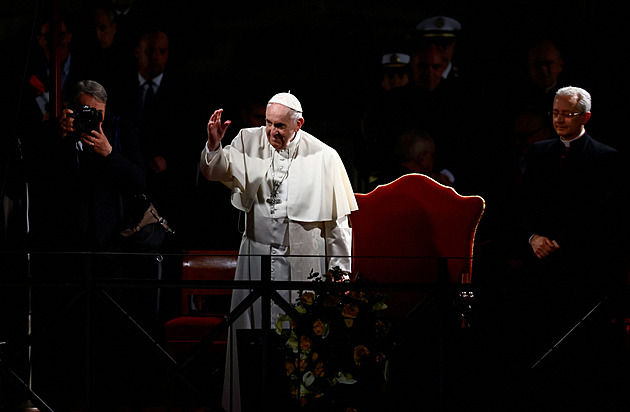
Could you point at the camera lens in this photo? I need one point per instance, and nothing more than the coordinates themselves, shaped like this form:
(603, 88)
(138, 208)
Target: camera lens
(86, 119)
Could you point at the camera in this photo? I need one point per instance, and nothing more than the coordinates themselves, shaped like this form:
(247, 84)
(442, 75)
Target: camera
(86, 119)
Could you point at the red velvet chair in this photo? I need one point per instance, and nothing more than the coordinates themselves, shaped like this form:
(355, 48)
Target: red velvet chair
(202, 309)
(403, 229)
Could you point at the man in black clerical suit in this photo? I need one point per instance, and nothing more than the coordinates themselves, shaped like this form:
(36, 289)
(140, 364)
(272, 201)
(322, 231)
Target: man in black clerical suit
(571, 184)
(555, 323)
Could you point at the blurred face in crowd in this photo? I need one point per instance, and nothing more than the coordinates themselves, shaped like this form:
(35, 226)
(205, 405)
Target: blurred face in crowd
(530, 128)
(105, 29)
(152, 54)
(45, 37)
(395, 77)
(446, 46)
(545, 65)
(280, 126)
(254, 115)
(568, 121)
(426, 158)
(428, 64)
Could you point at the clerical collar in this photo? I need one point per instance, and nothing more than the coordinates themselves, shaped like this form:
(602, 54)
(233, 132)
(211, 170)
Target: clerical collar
(156, 80)
(291, 146)
(567, 143)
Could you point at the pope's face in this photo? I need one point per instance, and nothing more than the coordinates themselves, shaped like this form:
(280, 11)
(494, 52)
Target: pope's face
(281, 128)
(567, 119)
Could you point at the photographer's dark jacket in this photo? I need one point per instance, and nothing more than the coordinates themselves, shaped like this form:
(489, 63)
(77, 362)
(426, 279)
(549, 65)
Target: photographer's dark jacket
(77, 194)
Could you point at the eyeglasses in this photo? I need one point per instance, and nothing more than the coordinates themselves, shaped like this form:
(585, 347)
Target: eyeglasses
(556, 114)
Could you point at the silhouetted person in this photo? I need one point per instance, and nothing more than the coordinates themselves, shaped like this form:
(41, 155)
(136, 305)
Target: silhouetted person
(154, 98)
(414, 152)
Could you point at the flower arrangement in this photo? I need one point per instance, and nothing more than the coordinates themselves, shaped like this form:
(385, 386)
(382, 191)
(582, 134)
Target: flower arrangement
(335, 351)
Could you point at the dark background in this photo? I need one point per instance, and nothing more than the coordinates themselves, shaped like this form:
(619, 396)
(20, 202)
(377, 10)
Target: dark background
(328, 52)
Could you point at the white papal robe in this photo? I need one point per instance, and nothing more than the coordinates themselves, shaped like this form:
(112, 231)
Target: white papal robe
(311, 219)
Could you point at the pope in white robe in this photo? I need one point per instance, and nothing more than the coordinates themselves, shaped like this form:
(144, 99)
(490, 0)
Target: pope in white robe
(296, 196)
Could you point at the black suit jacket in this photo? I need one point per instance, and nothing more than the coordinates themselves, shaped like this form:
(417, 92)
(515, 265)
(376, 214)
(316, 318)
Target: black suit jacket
(168, 131)
(571, 194)
(158, 130)
(573, 197)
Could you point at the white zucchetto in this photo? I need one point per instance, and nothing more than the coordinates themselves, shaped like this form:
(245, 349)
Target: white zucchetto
(288, 100)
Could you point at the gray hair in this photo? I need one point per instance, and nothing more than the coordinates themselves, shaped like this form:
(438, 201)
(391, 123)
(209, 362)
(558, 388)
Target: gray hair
(90, 87)
(293, 114)
(583, 97)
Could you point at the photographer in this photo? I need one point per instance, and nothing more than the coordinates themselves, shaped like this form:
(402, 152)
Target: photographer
(82, 169)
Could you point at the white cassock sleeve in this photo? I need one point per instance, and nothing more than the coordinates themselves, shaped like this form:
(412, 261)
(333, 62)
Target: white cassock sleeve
(339, 243)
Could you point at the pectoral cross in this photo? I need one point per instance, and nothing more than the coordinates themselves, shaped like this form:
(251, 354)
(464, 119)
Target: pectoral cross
(273, 201)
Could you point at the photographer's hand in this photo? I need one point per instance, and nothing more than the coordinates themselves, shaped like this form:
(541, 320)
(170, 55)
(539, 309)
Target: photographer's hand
(98, 141)
(66, 123)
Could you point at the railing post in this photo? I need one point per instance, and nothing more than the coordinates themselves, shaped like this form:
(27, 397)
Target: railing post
(442, 298)
(89, 333)
(266, 321)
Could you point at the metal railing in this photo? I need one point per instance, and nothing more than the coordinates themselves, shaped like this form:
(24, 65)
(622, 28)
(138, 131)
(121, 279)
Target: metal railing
(83, 287)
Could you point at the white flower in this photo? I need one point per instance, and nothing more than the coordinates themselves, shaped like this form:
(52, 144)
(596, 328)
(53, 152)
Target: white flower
(304, 391)
(308, 379)
(346, 379)
(282, 323)
(326, 330)
(293, 342)
(379, 306)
